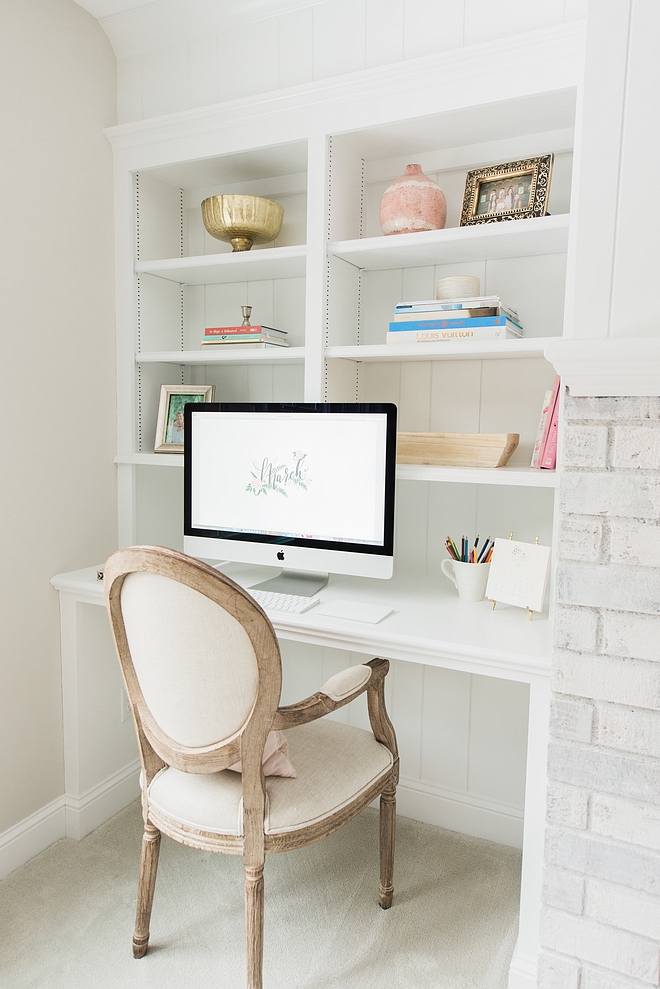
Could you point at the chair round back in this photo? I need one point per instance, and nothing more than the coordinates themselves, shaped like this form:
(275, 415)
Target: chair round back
(194, 662)
(200, 659)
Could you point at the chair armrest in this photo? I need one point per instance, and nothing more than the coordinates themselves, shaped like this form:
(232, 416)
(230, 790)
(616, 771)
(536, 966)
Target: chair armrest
(339, 690)
(346, 683)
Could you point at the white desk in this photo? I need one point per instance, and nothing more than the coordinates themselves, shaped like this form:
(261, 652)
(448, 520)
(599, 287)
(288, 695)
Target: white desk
(430, 626)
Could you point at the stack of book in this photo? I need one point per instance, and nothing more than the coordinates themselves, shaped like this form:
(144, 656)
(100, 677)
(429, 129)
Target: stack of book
(252, 337)
(545, 447)
(483, 317)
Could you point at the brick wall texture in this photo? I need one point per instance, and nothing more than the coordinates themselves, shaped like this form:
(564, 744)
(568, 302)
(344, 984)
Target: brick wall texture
(600, 926)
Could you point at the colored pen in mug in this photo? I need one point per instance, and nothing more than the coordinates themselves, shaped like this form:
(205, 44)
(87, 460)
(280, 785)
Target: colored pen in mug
(484, 551)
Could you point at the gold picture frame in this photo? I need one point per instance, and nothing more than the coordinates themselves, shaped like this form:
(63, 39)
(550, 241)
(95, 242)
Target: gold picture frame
(169, 425)
(514, 190)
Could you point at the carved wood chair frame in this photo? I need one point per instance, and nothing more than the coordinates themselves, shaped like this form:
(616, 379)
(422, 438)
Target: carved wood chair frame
(158, 751)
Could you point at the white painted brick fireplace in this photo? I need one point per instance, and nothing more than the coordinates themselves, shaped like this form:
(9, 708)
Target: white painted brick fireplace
(600, 926)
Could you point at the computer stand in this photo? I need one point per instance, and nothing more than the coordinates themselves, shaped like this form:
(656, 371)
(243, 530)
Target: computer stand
(302, 582)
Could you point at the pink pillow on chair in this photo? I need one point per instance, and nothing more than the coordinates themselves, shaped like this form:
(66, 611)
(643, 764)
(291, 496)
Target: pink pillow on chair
(275, 760)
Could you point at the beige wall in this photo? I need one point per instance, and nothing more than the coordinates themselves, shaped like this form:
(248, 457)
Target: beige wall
(58, 492)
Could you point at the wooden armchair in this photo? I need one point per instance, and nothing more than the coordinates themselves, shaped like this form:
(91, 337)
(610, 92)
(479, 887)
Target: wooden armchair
(201, 665)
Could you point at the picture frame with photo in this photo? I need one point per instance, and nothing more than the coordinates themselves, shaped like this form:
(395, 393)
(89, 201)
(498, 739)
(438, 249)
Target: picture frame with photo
(513, 190)
(169, 425)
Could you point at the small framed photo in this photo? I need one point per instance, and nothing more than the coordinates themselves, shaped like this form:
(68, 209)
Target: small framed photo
(512, 191)
(169, 427)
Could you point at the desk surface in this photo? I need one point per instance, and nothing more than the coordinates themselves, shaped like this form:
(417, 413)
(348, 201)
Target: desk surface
(430, 625)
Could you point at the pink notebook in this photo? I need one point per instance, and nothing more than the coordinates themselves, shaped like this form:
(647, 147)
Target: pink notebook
(545, 424)
(549, 455)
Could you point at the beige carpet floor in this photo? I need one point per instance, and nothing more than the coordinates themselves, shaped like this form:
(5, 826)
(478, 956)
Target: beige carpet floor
(66, 917)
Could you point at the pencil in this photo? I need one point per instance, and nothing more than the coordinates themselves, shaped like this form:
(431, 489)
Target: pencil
(484, 550)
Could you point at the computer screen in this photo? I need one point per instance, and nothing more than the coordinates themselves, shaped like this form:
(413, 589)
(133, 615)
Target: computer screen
(304, 486)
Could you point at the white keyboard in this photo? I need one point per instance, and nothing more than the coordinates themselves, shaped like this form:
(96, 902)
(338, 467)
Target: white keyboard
(291, 604)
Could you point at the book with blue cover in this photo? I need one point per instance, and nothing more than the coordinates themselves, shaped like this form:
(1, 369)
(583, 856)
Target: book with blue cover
(453, 323)
(466, 302)
(447, 336)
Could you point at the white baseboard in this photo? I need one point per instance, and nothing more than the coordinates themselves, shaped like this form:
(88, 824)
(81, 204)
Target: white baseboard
(522, 971)
(68, 817)
(85, 814)
(32, 835)
(457, 811)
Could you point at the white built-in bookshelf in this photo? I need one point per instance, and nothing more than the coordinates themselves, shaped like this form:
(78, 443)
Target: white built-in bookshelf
(327, 152)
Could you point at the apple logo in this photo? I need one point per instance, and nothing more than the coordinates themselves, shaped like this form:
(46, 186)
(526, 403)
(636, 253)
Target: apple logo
(280, 554)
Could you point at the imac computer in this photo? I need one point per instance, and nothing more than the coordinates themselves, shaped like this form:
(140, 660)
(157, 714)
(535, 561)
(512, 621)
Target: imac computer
(305, 486)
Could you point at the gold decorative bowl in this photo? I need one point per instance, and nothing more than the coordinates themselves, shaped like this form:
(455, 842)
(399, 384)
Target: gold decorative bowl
(242, 220)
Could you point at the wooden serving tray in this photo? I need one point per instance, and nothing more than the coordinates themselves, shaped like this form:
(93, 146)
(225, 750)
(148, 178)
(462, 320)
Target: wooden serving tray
(456, 449)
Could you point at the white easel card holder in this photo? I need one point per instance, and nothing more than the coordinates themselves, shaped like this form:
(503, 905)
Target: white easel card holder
(518, 574)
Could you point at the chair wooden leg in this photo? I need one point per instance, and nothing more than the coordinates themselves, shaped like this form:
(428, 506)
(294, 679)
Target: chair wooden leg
(254, 925)
(146, 886)
(387, 832)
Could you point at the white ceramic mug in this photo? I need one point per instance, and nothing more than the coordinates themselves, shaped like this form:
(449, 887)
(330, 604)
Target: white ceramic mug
(469, 578)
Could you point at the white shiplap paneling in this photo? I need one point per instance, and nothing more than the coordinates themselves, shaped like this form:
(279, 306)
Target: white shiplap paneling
(431, 26)
(309, 40)
(384, 32)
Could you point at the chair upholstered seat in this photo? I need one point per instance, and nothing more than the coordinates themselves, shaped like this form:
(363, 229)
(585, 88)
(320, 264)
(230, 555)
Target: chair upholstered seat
(335, 763)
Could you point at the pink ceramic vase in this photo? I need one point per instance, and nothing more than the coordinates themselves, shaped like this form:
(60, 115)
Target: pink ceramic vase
(412, 203)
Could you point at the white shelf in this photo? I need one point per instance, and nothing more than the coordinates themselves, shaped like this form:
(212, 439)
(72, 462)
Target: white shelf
(483, 242)
(527, 477)
(224, 355)
(511, 476)
(150, 459)
(459, 350)
(240, 266)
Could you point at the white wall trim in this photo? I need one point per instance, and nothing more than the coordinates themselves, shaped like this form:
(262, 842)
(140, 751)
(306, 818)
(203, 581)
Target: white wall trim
(68, 817)
(32, 835)
(522, 971)
(613, 366)
(84, 814)
(456, 811)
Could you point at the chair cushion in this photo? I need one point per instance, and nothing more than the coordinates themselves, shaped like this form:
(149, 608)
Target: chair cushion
(335, 763)
(275, 761)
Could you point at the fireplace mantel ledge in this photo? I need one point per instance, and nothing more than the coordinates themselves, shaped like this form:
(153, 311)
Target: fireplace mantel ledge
(598, 367)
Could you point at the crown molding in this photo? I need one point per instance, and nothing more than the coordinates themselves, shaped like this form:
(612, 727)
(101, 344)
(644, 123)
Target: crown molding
(607, 367)
(540, 61)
